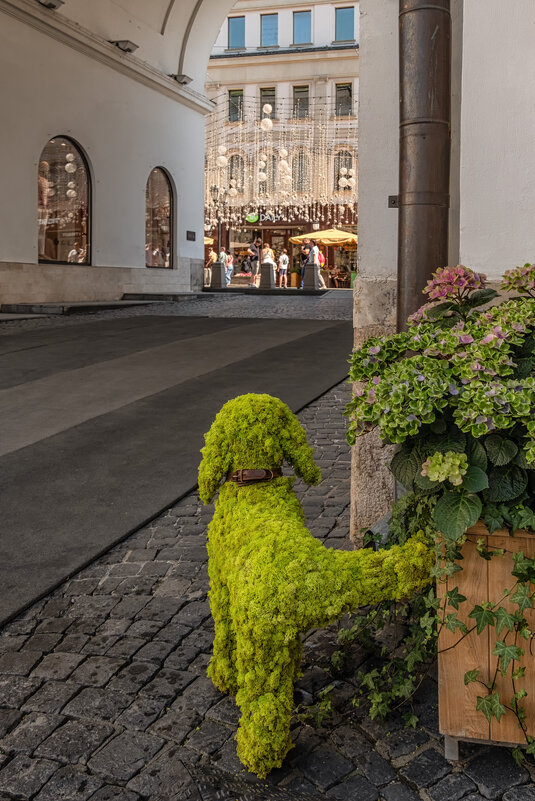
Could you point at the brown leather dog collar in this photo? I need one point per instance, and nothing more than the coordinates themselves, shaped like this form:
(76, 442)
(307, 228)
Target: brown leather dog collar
(244, 477)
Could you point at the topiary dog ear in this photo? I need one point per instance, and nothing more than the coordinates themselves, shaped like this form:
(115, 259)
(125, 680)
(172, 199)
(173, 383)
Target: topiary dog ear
(215, 462)
(298, 452)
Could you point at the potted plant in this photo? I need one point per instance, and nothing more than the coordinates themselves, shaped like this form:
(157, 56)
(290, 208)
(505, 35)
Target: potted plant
(456, 393)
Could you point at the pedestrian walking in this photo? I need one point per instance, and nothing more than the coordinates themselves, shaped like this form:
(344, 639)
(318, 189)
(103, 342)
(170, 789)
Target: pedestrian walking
(229, 269)
(283, 269)
(212, 258)
(254, 257)
(304, 257)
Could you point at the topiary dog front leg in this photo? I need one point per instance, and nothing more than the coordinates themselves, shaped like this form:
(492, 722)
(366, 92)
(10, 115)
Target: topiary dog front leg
(222, 667)
(268, 666)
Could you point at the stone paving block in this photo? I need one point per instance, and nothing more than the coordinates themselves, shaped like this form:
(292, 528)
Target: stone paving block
(426, 768)
(107, 586)
(55, 607)
(19, 662)
(495, 772)
(98, 704)
(167, 683)
(376, 769)
(96, 671)
(126, 646)
(155, 651)
(526, 793)
(176, 726)
(74, 643)
(86, 625)
(115, 626)
(141, 554)
(402, 743)
(80, 586)
(51, 697)
(75, 741)
(144, 628)
(43, 642)
(397, 791)
(200, 695)
(155, 569)
(453, 787)
(137, 585)
(57, 666)
(53, 625)
(357, 787)
(351, 742)
(125, 569)
(69, 784)
(100, 644)
(164, 774)
(225, 711)
(182, 657)
(23, 777)
(325, 766)
(8, 719)
(30, 732)
(172, 588)
(125, 755)
(90, 606)
(159, 609)
(185, 569)
(20, 626)
(227, 759)
(14, 690)
(114, 793)
(132, 677)
(141, 713)
(209, 737)
(193, 613)
(12, 643)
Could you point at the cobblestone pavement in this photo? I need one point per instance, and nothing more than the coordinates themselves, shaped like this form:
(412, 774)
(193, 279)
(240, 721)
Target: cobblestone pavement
(333, 305)
(103, 692)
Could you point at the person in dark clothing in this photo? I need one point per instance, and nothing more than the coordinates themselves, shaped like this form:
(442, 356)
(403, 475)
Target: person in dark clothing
(304, 257)
(254, 257)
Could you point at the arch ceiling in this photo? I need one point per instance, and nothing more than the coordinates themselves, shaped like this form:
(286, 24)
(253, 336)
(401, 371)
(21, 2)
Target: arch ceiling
(174, 36)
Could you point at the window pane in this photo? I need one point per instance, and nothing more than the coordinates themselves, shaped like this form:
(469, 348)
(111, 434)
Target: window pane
(158, 209)
(301, 102)
(344, 100)
(269, 35)
(236, 32)
(63, 204)
(235, 105)
(345, 24)
(267, 95)
(302, 27)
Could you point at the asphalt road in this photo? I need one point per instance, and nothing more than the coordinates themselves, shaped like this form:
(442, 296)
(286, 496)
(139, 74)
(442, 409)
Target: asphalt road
(102, 424)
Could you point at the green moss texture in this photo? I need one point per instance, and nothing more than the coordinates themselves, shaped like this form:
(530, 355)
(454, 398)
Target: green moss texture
(270, 579)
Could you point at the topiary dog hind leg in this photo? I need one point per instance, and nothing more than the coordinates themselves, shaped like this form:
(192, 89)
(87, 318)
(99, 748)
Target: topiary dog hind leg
(222, 667)
(267, 672)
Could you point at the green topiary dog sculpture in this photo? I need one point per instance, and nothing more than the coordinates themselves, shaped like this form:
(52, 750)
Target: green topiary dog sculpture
(270, 580)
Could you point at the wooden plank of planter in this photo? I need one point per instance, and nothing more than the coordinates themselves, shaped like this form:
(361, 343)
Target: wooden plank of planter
(480, 581)
(458, 716)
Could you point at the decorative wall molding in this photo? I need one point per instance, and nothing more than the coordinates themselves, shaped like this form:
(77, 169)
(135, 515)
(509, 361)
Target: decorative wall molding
(58, 27)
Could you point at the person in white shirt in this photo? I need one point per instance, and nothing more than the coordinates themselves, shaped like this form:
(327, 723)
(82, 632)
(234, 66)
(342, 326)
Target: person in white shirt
(283, 269)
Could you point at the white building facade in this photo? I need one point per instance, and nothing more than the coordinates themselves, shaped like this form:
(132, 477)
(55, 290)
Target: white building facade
(282, 153)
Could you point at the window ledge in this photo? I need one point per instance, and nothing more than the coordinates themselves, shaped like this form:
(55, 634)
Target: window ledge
(343, 41)
(268, 47)
(235, 49)
(342, 117)
(301, 44)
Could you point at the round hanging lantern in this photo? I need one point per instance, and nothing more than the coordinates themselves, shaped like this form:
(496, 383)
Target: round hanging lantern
(71, 193)
(233, 182)
(71, 185)
(261, 165)
(343, 171)
(221, 150)
(267, 109)
(233, 191)
(221, 161)
(262, 176)
(70, 167)
(351, 172)
(284, 166)
(342, 183)
(283, 152)
(351, 182)
(266, 124)
(50, 192)
(69, 157)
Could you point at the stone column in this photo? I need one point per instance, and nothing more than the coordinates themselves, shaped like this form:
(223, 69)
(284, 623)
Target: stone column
(312, 280)
(267, 278)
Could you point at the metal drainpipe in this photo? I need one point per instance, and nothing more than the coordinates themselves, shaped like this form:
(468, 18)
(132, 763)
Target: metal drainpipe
(424, 171)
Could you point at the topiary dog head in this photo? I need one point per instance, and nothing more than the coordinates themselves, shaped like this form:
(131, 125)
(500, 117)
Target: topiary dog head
(254, 431)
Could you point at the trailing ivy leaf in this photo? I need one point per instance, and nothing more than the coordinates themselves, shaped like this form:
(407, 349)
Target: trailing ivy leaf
(491, 706)
(470, 676)
(425, 485)
(523, 567)
(483, 617)
(506, 653)
(522, 517)
(500, 450)
(475, 480)
(518, 756)
(452, 440)
(506, 483)
(480, 297)
(455, 512)
(504, 620)
(453, 623)
(455, 598)
(518, 673)
(477, 455)
(493, 517)
(522, 597)
(405, 465)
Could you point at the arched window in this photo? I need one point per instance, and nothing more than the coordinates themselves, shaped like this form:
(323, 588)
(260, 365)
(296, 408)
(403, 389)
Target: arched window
(343, 168)
(63, 204)
(236, 172)
(300, 171)
(159, 220)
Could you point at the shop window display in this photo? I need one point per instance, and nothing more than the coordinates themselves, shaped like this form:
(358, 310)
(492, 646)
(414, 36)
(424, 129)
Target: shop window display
(63, 204)
(158, 220)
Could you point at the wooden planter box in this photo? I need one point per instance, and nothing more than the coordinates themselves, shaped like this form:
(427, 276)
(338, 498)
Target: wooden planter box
(481, 580)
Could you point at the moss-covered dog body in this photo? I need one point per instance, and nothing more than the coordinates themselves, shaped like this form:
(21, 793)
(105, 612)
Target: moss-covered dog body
(270, 579)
